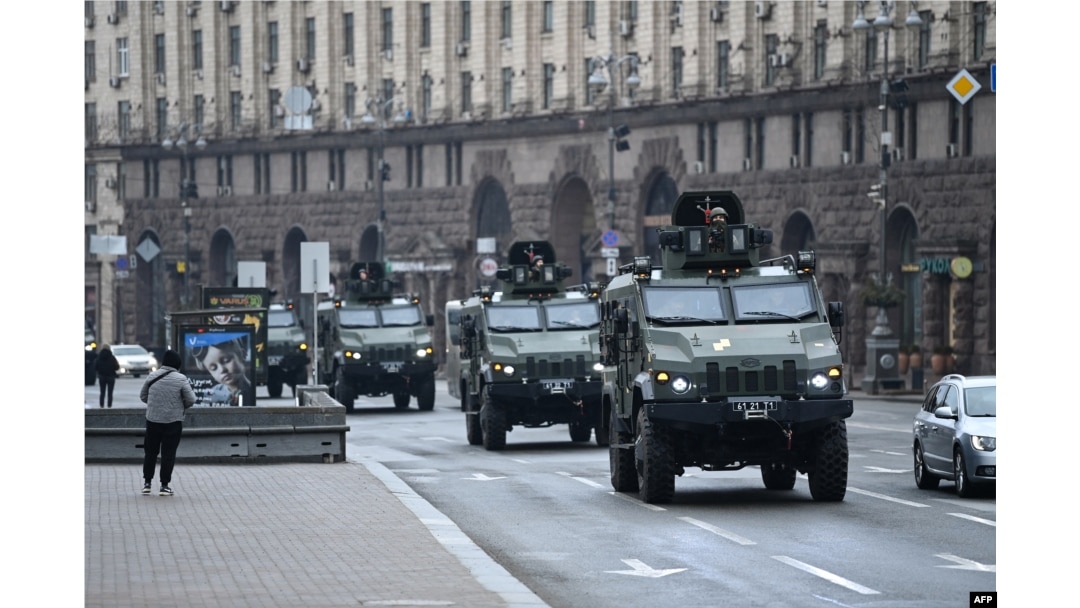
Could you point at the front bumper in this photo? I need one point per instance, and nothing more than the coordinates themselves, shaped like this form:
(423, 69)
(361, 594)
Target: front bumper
(712, 413)
(388, 368)
(289, 361)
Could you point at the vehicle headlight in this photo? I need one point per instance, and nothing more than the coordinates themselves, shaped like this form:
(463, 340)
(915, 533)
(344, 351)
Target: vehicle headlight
(421, 353)
(819, 381)
(983, 444)
(680, 384)
(508, 370)
(598, 367)
(303, 346)
(352, 355)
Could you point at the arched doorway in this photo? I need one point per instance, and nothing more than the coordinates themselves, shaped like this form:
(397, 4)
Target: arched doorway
(150, 276)
(658, 205)
(903, 264)
(369, 244)
(492, 222)
(798, 236)
(223, 260)
(574, 231)
(290, 273)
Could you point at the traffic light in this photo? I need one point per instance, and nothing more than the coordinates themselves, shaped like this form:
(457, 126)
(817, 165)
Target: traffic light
(619, 132)
(385, 171)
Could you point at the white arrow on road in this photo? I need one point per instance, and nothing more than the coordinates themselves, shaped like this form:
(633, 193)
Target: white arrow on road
(870, 469)
(481, 477)
(640, 569)
(966, 564)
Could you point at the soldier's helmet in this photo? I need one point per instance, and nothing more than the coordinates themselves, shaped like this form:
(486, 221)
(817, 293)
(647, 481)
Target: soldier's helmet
(717, 212)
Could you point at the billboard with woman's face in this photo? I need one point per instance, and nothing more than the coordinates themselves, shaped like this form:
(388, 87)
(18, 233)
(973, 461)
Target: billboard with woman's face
(219, 363)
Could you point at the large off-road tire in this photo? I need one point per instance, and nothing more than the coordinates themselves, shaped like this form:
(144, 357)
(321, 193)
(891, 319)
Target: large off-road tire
(778, 476)
(343, 392)
(401, 400)
(274, 382)
(601, 431)
(473, 432)
(425, 394)
(924, 479)
(580, 431)
(964, 487)
(828, 477)
(623, 474)
(654, 461)
(492, 423)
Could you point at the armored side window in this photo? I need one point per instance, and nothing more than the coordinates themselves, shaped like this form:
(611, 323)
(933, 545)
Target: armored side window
(773, 302)
(400, 315)
(683, 305)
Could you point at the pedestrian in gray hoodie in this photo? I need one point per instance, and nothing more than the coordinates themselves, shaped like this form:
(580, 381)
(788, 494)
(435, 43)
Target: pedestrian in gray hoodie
(167, 395)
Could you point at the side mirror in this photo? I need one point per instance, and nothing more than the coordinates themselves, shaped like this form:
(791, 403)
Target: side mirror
(430, 319)
(621, 320)
(836, 314)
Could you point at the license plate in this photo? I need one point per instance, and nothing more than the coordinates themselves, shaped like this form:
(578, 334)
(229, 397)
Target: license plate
(758, 405)
(274, 360)
(557, 385)
(392, 368)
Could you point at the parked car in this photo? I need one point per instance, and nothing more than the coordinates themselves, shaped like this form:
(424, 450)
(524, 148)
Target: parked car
(134, 360)
(955, 434)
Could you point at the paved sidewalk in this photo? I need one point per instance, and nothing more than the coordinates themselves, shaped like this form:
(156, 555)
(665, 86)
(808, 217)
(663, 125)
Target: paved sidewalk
(265, 535)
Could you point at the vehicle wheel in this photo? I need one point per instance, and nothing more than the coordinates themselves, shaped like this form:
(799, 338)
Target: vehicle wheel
(828, 477)
(579, 431)
(274, 383)
(343, 392)
(473, 432)
(623, 474)
(964, 488)
(778, 476)
(492, 423)
(924, 479)
(655, 465)
(401, 400)
(601, 431)
(425, 395)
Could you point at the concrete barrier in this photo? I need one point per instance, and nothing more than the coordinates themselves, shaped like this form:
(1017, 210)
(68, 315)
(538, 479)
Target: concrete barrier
(313, 432)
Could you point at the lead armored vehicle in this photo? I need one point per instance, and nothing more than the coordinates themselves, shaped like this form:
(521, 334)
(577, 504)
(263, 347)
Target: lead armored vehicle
(374, 342)
(719, 360)
(530, 354)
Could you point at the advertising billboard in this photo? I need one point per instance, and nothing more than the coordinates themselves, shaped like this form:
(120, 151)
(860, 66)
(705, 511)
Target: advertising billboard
(219, 362)
(242, 297)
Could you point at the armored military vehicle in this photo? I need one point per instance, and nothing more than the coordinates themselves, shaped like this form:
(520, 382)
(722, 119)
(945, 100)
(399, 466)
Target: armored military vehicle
(374, 342)
(530, 353)
(452, 321)
(719, 360)
(286, 349)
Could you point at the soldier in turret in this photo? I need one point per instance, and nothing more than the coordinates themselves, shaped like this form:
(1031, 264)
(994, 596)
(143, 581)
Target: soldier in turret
(717, 224)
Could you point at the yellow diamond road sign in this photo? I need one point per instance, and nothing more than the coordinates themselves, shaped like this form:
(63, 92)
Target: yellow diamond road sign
(963, 86)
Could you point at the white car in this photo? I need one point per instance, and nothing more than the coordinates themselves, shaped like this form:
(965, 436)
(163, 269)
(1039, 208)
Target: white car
(134, 360)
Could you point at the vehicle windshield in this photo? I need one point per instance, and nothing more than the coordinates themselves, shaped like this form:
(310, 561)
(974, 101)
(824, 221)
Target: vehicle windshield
(773, 302)
(281, 318)
(683, 305)
(981, 401)
(129, 351)
(400, 315)
(512, 318)
(573, 316)
(363, 317)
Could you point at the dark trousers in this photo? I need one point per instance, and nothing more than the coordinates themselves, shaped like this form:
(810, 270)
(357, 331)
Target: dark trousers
(107, 383)
(163, 437)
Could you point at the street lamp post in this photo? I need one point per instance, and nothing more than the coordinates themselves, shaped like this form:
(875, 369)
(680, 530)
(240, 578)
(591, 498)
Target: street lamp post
(881, 348)
(186, 134)
(598, 82)
(383, 168)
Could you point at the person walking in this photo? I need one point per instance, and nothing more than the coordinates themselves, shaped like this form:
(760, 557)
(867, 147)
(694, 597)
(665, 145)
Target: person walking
(106, 367)
(167, 395)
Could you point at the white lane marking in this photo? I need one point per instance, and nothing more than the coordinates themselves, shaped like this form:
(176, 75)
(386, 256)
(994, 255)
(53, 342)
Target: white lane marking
(587, 482)
(718, 531)
(870, 469)
(888, 498)
(521, 460)
(975, 519)
(966, 564)
(446, 439)
(890, 453)
(481, 477)
(636, 501)
(641, 569)
(875, 427)
(829, 576)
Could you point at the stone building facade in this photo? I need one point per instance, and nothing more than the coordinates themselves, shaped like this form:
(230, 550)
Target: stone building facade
(491, 134)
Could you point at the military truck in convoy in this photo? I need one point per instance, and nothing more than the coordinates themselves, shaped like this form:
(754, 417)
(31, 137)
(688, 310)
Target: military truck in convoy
(530, 354)
(374, 342)
(286, 349)
(719, 360)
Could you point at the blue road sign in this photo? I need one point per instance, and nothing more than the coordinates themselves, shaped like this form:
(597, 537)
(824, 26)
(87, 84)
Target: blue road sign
(122, 262)
(993, 78)
(610, 238)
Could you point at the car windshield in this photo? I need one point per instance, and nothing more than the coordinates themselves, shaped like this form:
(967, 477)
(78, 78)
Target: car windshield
(129, 351)
(364, 317)
(281, 318)
(981, 401)
(777, 301)
(683, 305)
(512, 318)
(573, 316)
(400, 315)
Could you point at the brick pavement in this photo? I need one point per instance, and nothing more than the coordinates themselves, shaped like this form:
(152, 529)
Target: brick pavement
(312, 535)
